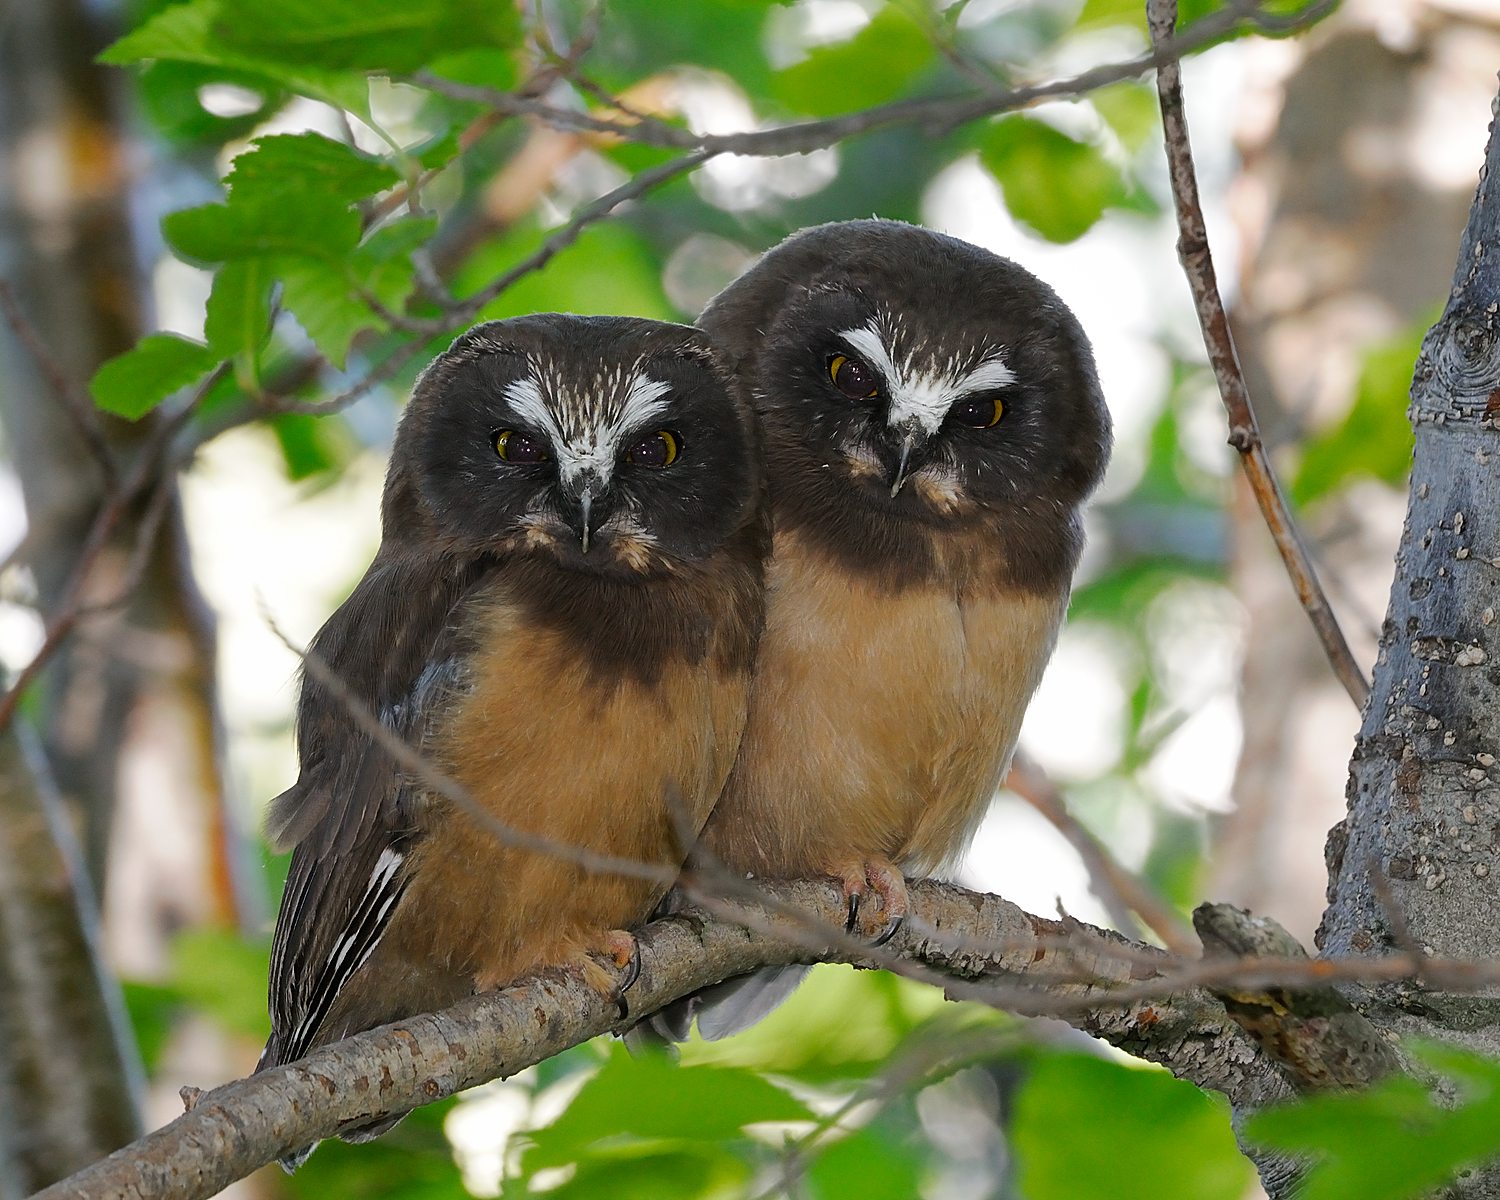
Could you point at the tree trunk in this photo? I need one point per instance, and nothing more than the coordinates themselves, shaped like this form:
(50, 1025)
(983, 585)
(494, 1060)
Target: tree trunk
(69, 1081)
(1416, 859)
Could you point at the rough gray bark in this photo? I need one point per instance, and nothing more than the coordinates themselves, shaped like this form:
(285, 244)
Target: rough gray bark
(66, 1083)
(1415, 861)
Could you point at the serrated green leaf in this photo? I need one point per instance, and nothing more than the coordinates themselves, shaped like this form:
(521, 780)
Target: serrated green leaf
(1088, 1127)
(278, 167)
(238, 320)
(186, 33)
(321, 227)
(1057, 186)
(867, 1165)
(652, 1097)
(320, 294)
(392, 36)
(1375, 439)
(873, 66)
(131, 384)
(1422, 1143)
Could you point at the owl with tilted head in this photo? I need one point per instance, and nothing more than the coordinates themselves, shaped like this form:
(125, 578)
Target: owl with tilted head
(561, 617)
(933, 424)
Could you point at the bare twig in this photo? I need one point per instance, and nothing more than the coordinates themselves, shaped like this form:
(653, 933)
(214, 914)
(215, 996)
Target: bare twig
(70, 608)
(1118, 889)
(935, 114)
(80, 409)
(1244, 433)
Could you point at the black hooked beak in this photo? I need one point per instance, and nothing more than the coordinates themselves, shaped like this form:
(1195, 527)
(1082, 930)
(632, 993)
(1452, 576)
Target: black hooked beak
(586, 487)
(912, 440)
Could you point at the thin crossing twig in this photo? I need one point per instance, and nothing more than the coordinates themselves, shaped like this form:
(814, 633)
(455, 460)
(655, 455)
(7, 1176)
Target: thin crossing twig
(1244, 432)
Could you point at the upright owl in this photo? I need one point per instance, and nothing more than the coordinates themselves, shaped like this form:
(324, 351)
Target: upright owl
(933, 425)
(562, 616)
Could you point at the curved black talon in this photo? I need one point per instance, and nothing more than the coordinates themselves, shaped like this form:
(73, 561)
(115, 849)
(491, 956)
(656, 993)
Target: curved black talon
(632, 975)
(889, 933)
(853, 913)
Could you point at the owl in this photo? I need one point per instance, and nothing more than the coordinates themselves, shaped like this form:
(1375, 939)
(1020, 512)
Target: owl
(562, 617)
(933, 424)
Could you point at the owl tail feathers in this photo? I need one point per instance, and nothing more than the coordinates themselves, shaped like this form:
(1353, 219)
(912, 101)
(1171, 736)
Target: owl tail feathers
(726, 1008)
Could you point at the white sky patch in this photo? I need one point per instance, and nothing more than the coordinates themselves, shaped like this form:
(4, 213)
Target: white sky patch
(924, 398)
(595, 446)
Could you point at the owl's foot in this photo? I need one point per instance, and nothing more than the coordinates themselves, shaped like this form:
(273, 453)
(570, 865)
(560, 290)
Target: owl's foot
(883, 879)
(621, 951)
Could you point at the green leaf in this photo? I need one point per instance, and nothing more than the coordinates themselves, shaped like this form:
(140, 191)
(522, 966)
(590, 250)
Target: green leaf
(169, 94)
(638, 38)
(313, 445)
(652, 1097)
(281, 165)
(1376, 437)
(392, 36)
(867, 1165)
(225, 976)
(239, 308)
(653, 1172)
(320, 227)
(1130, 109)
(1088, 1127)
(325, 296)
(186, 33)
(1057, 186)
(131, 384)
(324, 301)
(480, 67)
(153, 1010)
(609, 271)
(873, 66)
(412, 1162)
(1422, 1143)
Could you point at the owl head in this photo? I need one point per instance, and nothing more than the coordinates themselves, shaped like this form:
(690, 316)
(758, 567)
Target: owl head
(612, 445)
(910, 381)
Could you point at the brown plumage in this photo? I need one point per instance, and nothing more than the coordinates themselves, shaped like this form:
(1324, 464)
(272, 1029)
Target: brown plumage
(933, 424)
(562, 615)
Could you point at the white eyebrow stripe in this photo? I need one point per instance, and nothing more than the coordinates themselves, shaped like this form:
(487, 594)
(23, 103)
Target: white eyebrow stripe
(924, 399)
(595, 447)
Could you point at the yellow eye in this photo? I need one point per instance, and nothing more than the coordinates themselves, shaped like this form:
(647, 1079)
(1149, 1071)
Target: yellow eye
(978, 413)
(514, 446)
(654, 450)
(852, 377)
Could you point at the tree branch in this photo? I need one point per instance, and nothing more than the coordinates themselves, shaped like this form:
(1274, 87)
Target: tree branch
(1244, 432)
(1118, 889)
(241, 1126)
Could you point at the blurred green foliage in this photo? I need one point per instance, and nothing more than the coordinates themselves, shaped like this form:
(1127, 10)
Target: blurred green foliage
(1425, 1137)
(1089, 1127)
(312, 248)
(1375, 439)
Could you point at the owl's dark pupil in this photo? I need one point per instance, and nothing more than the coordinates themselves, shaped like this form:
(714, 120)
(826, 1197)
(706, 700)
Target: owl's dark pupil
(978, 414)
(654, 450)
(514, 446)
(852, 377)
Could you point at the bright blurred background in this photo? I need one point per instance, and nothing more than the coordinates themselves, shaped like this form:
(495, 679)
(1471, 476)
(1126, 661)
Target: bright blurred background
(1188, 714)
